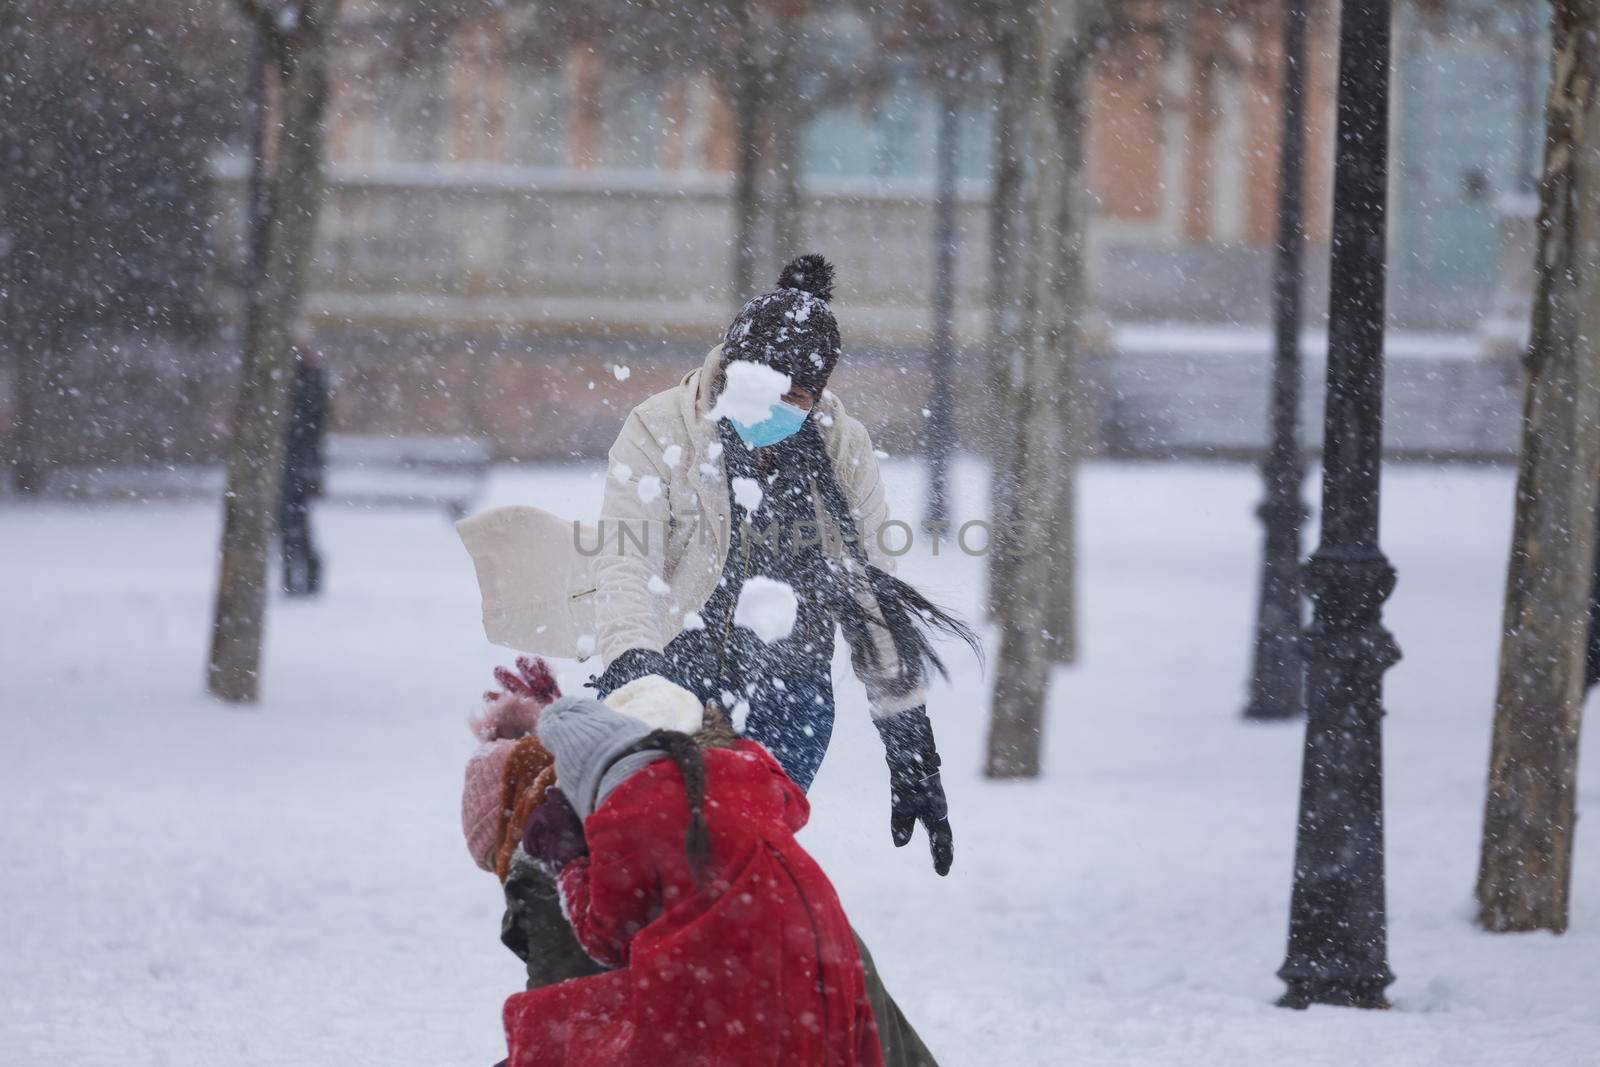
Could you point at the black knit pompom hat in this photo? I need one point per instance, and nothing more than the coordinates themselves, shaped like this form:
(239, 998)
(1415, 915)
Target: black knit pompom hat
(792, 328)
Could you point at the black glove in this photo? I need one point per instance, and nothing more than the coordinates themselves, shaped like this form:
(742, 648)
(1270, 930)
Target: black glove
(554, 836)
(915, 792)
(634, 663)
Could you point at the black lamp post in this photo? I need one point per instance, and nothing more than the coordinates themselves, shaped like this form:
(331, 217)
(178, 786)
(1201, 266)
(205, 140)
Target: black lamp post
(1338, 938)
(1277, 678)
(942, 356)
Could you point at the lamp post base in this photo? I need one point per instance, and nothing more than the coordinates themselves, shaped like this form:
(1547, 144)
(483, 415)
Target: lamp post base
(1338, 993)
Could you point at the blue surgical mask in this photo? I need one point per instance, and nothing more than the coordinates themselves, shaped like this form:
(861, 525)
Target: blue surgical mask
(784, 420)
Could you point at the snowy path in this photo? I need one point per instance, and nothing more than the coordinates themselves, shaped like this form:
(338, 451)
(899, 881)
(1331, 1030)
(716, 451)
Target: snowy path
(188, 884)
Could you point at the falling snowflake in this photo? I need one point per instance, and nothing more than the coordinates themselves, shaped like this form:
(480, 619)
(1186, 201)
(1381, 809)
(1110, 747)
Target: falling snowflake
(767, 607)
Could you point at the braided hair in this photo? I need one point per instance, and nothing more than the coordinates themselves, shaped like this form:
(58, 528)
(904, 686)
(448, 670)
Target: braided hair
(685, 752)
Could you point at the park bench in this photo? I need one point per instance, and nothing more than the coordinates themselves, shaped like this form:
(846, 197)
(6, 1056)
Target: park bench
(375, 470)
(363, 470)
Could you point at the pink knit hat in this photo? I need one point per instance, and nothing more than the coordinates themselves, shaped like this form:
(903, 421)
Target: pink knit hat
(506, 716)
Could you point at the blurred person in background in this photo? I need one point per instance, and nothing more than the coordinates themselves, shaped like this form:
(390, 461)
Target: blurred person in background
(303, 466)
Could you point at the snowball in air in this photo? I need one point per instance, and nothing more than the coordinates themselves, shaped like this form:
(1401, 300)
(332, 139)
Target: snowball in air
(749, 391)
(621, 372)
(747, 494)
(671, 455)
(657, 586)
(621, 472)
(693, 620)
(767, 607)
(649, 488)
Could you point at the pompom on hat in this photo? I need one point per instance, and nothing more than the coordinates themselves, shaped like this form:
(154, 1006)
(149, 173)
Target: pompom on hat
(659, 703)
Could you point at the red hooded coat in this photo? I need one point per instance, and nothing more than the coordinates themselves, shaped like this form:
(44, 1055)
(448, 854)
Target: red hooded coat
(758, 966)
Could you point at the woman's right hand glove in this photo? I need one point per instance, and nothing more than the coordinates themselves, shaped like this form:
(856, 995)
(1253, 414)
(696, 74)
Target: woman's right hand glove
(554, 836)
(915, 792)
(634, 663)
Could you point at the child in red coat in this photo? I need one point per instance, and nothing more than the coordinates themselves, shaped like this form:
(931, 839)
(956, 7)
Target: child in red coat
(679, 867)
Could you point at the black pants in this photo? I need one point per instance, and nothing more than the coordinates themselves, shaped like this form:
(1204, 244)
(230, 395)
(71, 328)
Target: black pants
(302, 567)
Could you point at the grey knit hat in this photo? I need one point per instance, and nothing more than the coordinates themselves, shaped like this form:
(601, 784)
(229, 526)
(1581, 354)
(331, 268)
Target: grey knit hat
(588, 740)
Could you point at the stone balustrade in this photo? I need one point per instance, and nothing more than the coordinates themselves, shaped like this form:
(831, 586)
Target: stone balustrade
(560, 251)
(531, 308)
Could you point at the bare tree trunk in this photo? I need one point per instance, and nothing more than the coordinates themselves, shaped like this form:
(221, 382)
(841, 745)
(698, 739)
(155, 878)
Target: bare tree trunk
(940, 435)
(1525, 871)
(1010, 296)
(748, 96)
(783, 115)
(255, 457)
(1035, 622)
(1068, 310)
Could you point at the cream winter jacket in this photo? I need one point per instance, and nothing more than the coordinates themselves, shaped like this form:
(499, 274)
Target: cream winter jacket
(665, 526)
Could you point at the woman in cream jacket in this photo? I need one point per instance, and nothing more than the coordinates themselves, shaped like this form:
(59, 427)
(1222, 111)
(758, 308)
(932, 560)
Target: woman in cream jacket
(705, 508)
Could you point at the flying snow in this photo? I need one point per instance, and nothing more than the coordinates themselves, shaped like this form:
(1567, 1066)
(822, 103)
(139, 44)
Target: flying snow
(649, 488)
(767, 607)
(747, 494)
(749, 392)
(671, 455)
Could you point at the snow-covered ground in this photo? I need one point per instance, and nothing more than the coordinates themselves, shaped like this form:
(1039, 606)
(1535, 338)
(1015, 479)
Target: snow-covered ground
(186, 883)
